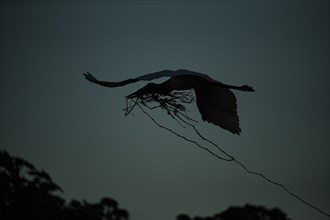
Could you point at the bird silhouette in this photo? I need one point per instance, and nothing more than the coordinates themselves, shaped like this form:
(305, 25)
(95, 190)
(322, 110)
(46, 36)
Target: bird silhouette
(215, 101)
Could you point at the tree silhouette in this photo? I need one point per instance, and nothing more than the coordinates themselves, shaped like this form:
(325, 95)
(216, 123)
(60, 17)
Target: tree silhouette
(28, 193)
(248, 212)
(106, 209)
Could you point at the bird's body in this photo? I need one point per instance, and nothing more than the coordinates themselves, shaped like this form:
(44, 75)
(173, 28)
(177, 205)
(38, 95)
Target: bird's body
(215, 101)
(186, 82)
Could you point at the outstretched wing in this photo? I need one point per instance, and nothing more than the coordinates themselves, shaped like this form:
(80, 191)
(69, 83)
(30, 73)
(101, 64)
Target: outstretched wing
(218, 106)
(147, 77)
(171, 73)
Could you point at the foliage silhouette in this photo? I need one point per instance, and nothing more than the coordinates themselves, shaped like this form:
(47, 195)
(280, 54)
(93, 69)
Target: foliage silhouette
(248, 212)
(28, 193)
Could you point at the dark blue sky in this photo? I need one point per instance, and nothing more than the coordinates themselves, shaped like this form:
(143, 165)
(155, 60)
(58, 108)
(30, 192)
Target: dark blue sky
(78, 133)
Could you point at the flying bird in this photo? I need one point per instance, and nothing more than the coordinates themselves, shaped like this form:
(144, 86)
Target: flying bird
(215, 100)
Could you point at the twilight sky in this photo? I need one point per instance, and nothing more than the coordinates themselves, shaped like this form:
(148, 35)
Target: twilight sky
(77, 131)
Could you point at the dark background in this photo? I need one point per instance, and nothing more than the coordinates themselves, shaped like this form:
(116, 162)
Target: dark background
(53, 117)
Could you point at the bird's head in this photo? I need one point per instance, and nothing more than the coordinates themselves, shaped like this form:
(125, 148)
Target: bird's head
(247, 88)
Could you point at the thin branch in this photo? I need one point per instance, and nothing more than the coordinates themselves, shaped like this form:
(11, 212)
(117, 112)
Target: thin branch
(172, 103)
(181, 136)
